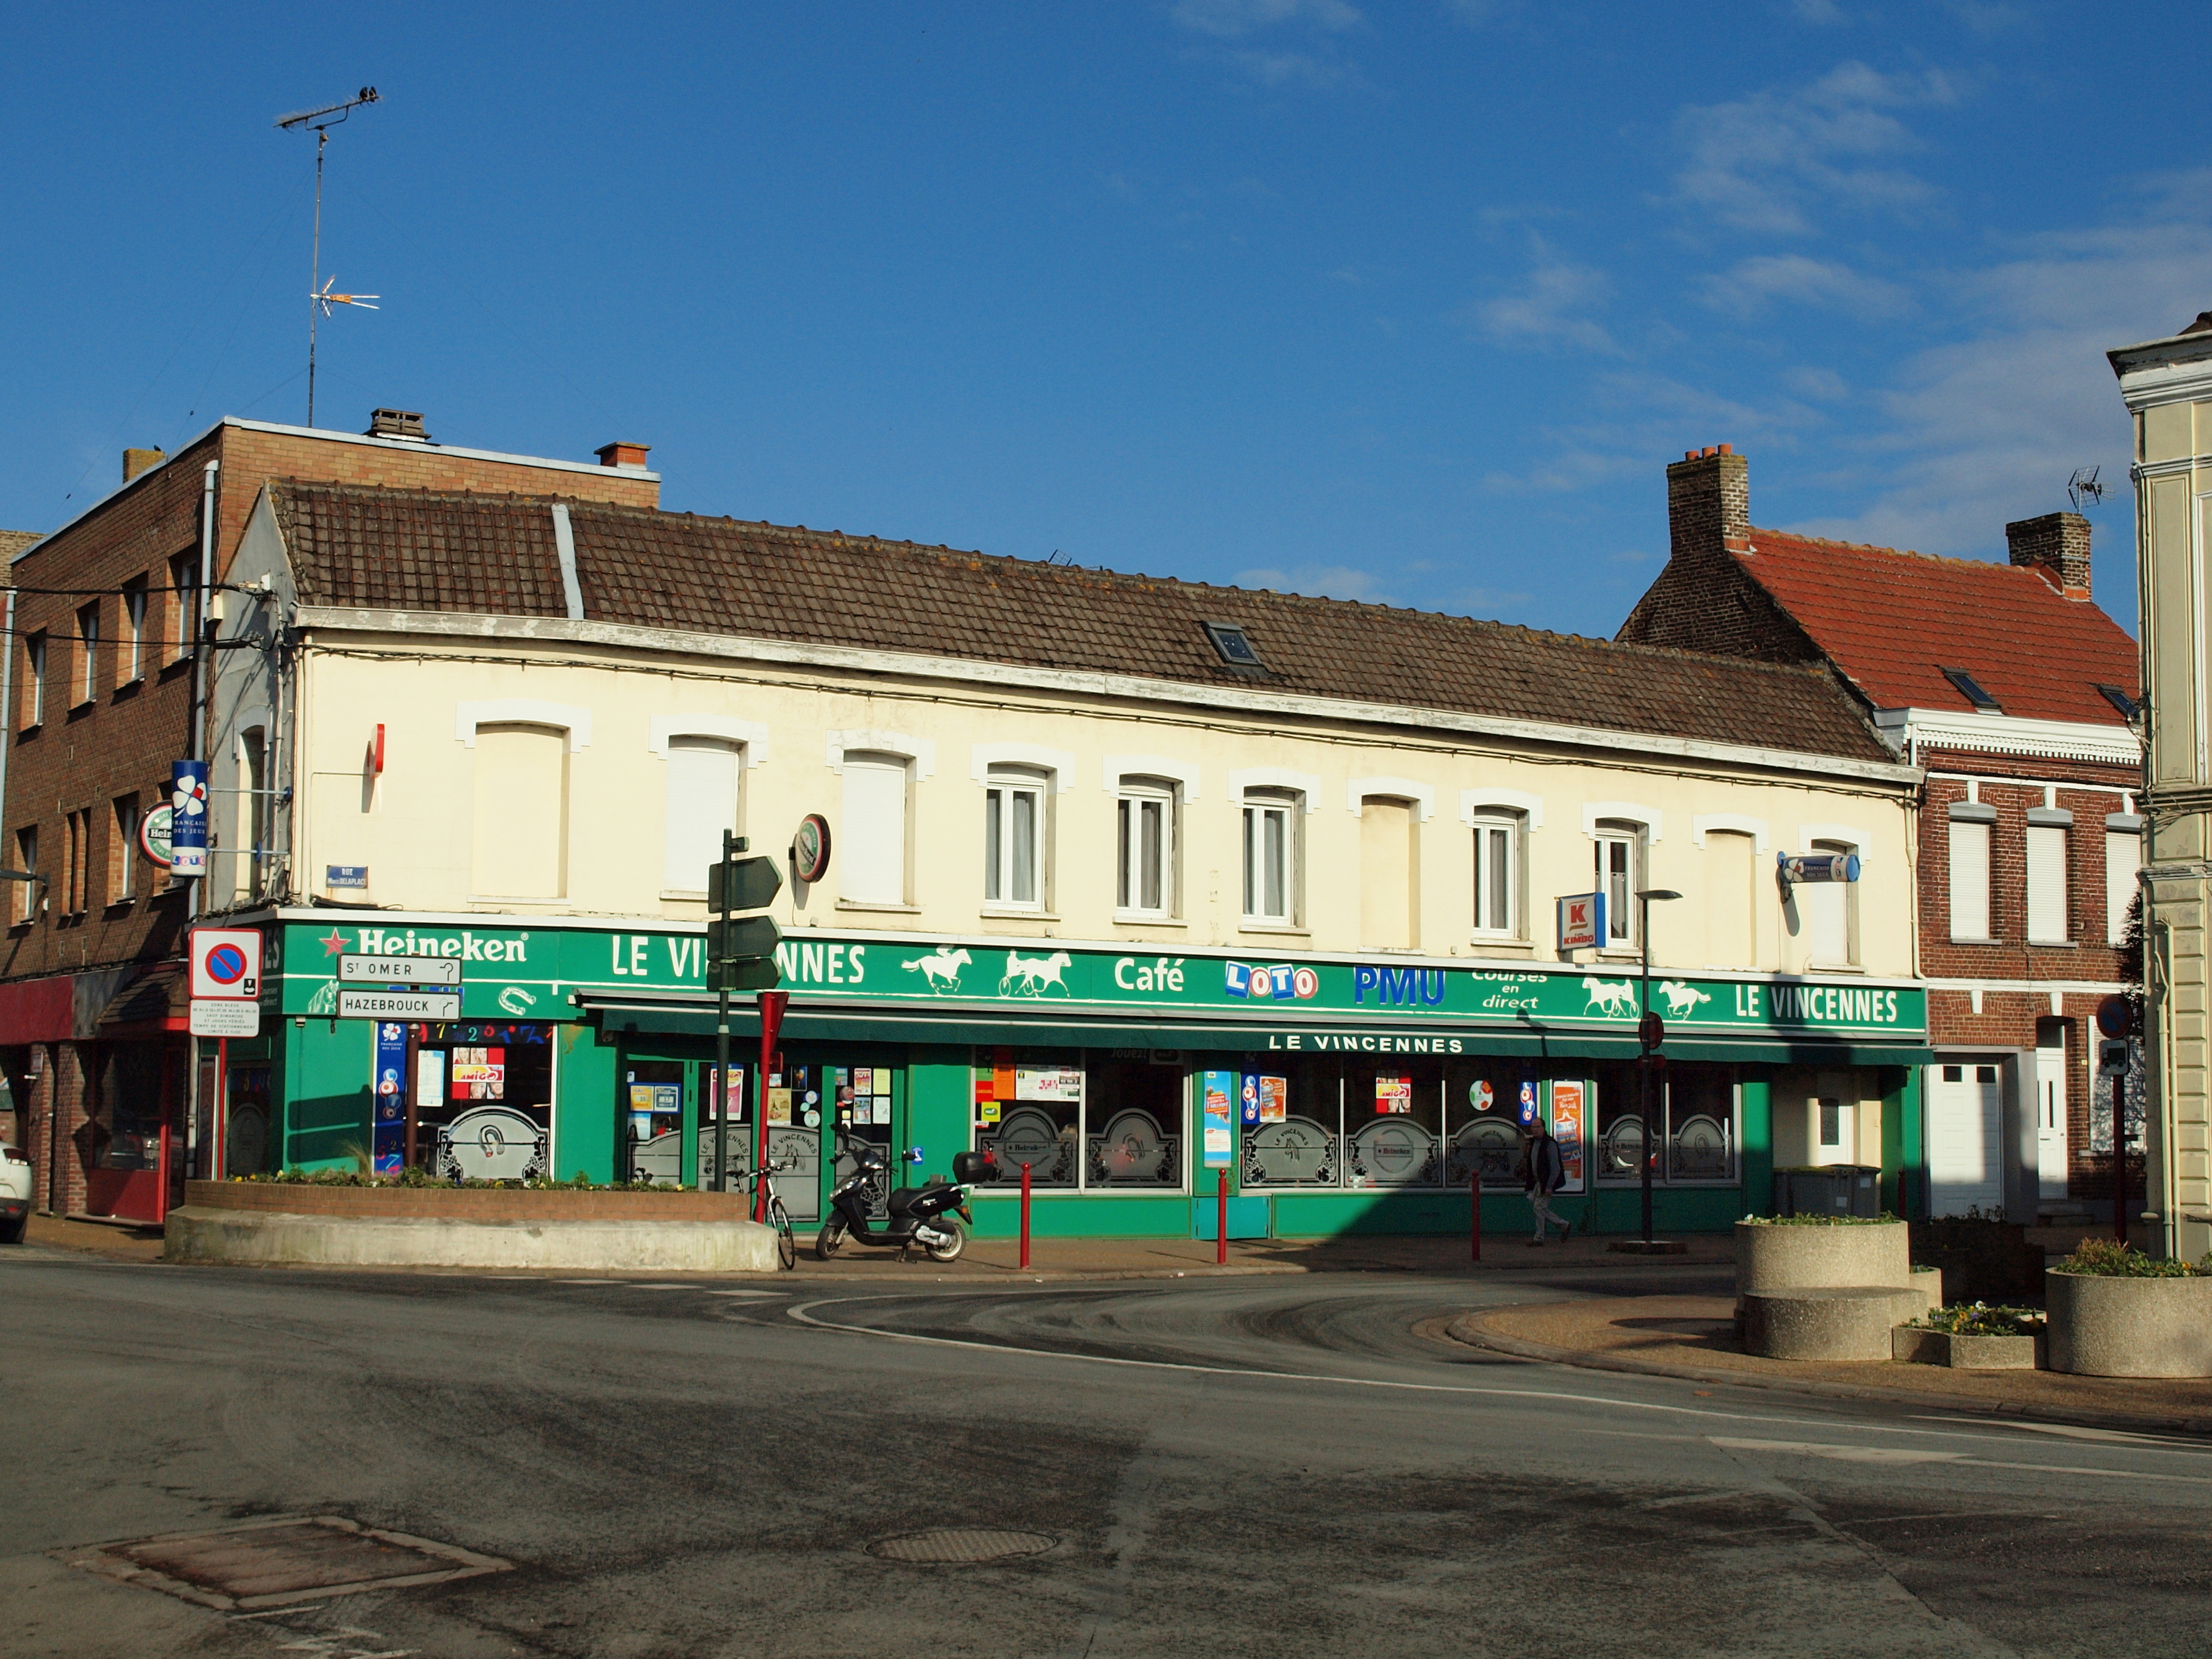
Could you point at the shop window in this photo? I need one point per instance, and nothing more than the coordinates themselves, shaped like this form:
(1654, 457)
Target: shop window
(1829, 914)
(1498, 838)
(1297, 1140)
(87, 653)
(520, 838)
(1145, 849)
(1270, 822)
(126, 1116)
(27, 893)
(2046, 884)
(123, 852)
(1486, 1100)
(483, 1096)
(1969, 878)
(1693, 1109)
(1620, 858)
(1014, 839)
(702, 782)
(34, 680)
(1390, 864)
(133, 643)
(2123, 859)
(1394, 1123)
(1082, 1120)
(872, 829)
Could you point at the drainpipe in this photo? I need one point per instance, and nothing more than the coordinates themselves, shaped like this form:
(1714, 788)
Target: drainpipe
(195, 903)
(8, 701)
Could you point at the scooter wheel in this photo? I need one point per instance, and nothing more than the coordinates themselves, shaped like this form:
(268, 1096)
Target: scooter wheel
(948, 1252)
(829, 1241)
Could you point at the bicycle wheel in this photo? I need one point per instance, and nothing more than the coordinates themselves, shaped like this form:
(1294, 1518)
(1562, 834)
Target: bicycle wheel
(786, 1246)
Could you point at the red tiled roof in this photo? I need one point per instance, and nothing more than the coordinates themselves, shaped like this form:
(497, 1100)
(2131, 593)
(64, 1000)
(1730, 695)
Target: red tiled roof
(1892, 621)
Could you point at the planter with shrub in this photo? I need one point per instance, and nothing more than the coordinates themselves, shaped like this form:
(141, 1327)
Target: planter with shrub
(2116, 1312)
(1974, 1337)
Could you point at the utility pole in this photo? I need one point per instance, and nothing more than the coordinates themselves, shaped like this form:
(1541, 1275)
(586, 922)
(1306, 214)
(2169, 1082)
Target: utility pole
(1650, 1033)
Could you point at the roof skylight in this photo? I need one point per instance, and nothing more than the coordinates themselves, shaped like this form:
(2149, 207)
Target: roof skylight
(1972, 691)
(1228, 639)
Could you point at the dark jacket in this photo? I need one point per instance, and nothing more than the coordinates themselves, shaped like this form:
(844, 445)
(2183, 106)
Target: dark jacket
(1541, 1166)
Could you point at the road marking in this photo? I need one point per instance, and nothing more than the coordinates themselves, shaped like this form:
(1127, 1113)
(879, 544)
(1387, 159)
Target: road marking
(1915, 1455)
(2083, 1431)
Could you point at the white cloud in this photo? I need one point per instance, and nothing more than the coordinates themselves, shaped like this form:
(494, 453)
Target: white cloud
(1552, 307)
(1760, 162)
(1325, 581)
(1752, 285)
(1231, 19)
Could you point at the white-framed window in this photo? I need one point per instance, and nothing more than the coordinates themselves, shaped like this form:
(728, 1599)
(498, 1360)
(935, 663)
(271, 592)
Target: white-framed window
(1271, 855)
(88, 653)
(2123, 859)
(34, 680)
(1834, 1124)
(134, 630)
(2046, 881)
(1829, 913)
(123, 865)
(184, 585)
(703, 784)
(26, 859)
(1144, 848)
(1620, 874)
(1014, 837)
(253, 802)
(871, 829)
(1970, 827)
(521, 820)
(1498, 908)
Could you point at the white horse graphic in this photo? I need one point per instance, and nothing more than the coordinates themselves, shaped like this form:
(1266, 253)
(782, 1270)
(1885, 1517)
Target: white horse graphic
(1682, 999)
(1607, 998)
(1034, 973)
(941, 968)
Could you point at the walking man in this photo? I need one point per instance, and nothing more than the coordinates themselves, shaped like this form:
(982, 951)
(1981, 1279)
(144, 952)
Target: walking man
(1543, 1172)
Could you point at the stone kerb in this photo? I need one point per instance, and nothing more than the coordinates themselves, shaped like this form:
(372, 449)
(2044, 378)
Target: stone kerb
(2112, 1327)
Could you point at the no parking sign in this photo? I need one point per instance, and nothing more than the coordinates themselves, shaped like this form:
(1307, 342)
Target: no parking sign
(226, 963)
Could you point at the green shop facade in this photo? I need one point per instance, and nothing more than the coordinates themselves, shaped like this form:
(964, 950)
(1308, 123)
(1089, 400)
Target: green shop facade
(1337, 1094)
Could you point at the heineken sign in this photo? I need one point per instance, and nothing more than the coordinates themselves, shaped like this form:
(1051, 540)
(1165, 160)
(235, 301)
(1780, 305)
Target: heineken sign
(530, 973)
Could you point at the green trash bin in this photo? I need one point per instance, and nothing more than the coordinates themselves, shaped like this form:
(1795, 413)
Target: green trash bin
(1848, 1190)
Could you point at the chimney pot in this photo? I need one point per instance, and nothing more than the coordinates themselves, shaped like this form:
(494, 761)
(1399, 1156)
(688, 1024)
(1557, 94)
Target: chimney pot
(1689, 454)
(401, 423)
(2058, 545)
(1727, 449)
(629, 455)
(135, 461)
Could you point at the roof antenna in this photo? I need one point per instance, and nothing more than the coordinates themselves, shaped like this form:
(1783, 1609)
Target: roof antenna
(2083, 487)
(319, 122)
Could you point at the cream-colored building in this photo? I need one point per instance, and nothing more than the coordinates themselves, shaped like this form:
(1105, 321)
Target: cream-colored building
(2167, 386)
(1066, 811)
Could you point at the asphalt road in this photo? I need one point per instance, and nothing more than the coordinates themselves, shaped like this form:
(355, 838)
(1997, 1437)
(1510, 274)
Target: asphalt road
(1277, 1466)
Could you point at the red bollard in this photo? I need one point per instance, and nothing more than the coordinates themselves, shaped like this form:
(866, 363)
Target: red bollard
(1474, 1196)
(1025, 1215)
(1221, 1223)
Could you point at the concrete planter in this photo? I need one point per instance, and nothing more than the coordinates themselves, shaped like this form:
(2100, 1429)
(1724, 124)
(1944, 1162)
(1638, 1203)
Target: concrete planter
(1835, 1321)
(1910, 1346)
(2104, 1327)
(1787, 1258)
(273, 1224)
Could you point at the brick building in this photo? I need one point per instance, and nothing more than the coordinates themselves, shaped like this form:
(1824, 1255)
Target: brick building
(2016, 694)
(100, 686)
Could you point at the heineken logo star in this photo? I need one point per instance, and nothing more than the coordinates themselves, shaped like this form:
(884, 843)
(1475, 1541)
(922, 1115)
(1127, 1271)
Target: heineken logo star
(334, 942)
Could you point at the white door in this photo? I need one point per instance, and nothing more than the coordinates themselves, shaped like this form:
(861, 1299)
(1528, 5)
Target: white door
(1965, 1105)
(2051, 1108)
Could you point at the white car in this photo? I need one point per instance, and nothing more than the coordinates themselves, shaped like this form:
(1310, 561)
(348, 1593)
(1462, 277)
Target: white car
(15, 1193)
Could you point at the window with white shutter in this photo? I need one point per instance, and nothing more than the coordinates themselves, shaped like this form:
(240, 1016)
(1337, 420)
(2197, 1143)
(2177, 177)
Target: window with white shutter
(1970, 877)
(1829, 909)
(520, 840)
(702, 803)
(2046, 882)
(2123, 859)
(872, 829)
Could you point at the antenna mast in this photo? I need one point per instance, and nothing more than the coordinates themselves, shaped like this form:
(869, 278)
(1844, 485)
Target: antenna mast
(319, 122)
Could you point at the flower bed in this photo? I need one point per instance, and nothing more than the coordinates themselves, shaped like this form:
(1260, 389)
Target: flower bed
(1973, 1337)
(2116, 1312)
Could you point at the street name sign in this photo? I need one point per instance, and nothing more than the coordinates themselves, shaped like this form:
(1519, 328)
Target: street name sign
(398, 1005)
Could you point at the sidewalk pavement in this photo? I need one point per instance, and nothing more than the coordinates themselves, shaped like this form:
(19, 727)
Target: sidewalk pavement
(989, 1260)
(1694, 1337)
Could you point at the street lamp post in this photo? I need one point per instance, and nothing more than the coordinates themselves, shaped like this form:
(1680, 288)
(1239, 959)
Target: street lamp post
(1648, 1038)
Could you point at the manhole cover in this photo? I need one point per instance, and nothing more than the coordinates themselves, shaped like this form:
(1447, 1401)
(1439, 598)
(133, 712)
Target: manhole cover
(961, 1546)
(287, 1558)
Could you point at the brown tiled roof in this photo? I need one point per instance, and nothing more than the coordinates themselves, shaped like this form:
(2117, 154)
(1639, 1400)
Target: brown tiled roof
(429, 551)
(12, 542)
(1892, 621)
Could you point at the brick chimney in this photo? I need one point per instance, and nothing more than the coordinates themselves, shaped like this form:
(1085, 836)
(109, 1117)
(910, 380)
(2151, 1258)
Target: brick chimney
(2057, 545)
(1708, 502)
(626, 455)
(135, 461)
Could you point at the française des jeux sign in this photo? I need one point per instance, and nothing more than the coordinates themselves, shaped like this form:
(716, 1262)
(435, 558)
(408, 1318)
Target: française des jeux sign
(529, 974)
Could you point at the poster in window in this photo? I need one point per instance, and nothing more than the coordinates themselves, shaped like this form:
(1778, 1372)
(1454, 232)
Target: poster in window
(390, 1133)
(1568, 1104)
(478, 1074)
(1479, 1095)
(1274, 1099)
(1528, 1112)
(779, 1106)
(988, 1111)
(1248, 1101)
(429, 1077)
(1220, 1092)
(1056, 1083)
(863, 1079)
(1393, 1094)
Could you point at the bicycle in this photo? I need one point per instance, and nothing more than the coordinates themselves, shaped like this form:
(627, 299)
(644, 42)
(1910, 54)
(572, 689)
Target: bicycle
(786, 1247)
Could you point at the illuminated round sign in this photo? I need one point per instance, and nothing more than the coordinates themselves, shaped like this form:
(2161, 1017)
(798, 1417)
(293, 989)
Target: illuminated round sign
(810, 849)
(154, 835)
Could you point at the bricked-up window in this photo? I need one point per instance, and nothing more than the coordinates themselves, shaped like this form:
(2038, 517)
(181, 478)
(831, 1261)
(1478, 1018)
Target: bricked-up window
(2123, 859)
(34, 680)
(184, 581)
(2047, 876)
(1620, 874)
(1271, 860)
(1498, 843)
(133, 642)
(123, 852)
(520, 837)
(1970, 827)
(77, 873)
(26, 859)
(1731, 899)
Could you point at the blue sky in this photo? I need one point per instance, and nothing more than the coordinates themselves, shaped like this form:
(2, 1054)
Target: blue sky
(1405, 302)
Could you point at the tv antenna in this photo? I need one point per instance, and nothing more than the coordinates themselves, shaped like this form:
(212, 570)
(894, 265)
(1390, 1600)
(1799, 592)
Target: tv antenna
(2083, 487)
(319, 122)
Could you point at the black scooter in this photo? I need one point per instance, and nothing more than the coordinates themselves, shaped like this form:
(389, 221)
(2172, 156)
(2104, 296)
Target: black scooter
(924, 1215)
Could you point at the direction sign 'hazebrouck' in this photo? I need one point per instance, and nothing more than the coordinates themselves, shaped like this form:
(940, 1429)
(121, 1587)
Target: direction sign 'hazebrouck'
(398, 1005)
